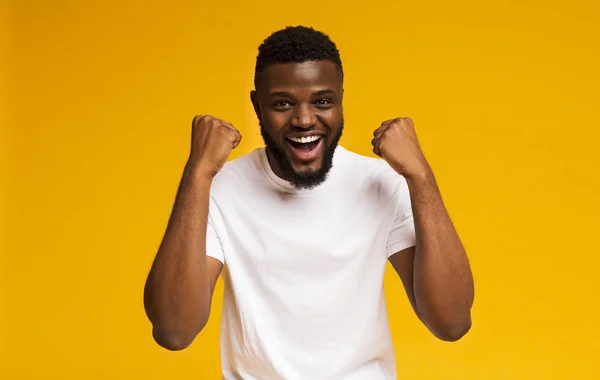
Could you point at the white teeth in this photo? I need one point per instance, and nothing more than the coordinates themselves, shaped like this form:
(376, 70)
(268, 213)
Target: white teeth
(304, 140)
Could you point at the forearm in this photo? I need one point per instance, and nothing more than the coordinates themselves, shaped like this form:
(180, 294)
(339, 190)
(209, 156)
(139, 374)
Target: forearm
(443, 283)
(177, 293)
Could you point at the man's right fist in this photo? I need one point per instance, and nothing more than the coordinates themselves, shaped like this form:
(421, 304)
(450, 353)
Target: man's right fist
(212, 142)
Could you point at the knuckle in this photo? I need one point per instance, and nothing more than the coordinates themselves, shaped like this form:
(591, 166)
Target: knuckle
(208, 120)
(224, 123)
(231, 135)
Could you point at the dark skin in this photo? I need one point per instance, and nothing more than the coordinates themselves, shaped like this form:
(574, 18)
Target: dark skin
(294, 99)
(299, 99)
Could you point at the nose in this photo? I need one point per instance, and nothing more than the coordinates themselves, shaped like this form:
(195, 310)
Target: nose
(304, 116)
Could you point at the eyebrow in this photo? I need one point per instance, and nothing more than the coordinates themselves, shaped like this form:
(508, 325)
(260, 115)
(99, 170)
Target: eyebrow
(327, 91)
(281, 93)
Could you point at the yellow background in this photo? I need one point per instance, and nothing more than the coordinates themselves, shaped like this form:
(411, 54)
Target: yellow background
(99, 96)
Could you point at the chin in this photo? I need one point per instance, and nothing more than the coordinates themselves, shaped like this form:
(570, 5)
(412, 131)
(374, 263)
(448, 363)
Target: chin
(308, 168)
(304, 172)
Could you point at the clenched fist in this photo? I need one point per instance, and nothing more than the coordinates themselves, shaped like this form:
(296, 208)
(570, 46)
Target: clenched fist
(212, 142)
(396, 142)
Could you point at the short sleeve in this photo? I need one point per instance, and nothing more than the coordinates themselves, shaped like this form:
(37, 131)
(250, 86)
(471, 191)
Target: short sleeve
(402, 233)
(213, 244)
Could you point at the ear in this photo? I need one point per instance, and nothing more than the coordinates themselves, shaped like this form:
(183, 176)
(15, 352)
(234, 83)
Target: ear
(254, 100)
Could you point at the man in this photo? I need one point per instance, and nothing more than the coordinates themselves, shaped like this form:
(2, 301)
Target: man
(301, 231)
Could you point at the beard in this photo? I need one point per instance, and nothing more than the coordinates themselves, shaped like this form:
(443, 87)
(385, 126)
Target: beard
(300, 180)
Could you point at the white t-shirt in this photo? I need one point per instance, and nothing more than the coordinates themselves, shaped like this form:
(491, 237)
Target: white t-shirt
(303, 269)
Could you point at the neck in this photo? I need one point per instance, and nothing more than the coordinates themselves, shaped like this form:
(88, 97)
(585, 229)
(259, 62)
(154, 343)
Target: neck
(274, 164)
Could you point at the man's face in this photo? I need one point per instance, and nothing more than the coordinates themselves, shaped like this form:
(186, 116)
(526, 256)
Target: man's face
(299, 106)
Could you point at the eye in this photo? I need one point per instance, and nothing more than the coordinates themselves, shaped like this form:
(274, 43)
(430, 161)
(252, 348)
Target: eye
(324, 102)
(281, 104)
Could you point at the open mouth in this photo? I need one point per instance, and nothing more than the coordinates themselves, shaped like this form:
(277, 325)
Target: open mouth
(305, 148)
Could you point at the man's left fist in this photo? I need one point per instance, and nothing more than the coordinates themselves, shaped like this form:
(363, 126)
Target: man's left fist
(396, 142)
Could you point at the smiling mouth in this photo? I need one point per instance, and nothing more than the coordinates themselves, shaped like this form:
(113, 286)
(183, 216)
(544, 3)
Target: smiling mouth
(305, 148)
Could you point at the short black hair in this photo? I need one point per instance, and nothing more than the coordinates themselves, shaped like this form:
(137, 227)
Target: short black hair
(296, 44)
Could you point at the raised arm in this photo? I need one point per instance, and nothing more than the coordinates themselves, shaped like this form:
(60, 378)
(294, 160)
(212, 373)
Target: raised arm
(179, 287)
(436, 272)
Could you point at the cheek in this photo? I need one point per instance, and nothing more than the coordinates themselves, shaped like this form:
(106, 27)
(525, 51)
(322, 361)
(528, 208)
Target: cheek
(333, 118)
(275, 122)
